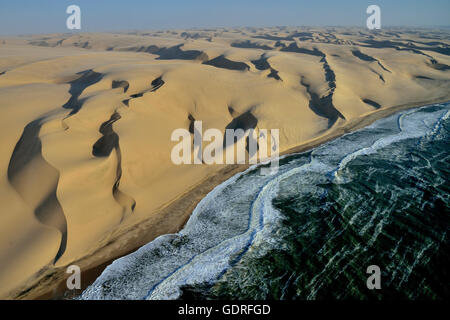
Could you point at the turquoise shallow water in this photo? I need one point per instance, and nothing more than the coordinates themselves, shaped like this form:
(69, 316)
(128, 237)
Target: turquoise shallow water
(378, 196)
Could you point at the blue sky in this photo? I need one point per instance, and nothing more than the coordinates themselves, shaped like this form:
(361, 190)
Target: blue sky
(47, 16)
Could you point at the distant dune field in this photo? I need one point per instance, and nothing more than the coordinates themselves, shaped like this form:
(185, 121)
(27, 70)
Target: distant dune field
(86, 123)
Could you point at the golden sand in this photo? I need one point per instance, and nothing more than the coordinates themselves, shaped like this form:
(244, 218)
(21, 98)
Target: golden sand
(86, 122)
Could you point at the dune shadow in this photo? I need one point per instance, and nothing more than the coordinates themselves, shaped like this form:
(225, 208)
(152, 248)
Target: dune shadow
(367, 58)
(372, 103)
(26, 180)
(224, 63)
(323, 106)
(263, 64)
(294, 48)
(120, 84)
(103, 148)
(77, 86)
(247, 44)
(175, 52)
(244, 122)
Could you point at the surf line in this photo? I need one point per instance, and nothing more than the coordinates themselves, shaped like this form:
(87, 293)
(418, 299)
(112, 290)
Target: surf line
(260, 225)
(244, 250)
(263, 188)
(236, 260)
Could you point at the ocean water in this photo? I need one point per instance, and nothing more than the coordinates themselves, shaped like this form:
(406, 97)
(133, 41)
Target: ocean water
(377, 196)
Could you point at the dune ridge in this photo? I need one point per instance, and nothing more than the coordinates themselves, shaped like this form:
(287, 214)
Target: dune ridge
(87, 121)
(26, 171)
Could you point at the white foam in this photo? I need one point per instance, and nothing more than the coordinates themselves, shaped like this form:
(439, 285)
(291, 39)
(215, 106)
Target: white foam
(203, 250)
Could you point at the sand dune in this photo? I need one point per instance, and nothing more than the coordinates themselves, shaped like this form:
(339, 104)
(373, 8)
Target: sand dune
(87, 119)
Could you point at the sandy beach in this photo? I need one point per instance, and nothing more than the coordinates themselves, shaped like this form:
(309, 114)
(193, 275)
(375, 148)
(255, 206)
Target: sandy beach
(87, 120)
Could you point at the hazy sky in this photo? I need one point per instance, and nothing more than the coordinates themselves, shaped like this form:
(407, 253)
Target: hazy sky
(48, 16)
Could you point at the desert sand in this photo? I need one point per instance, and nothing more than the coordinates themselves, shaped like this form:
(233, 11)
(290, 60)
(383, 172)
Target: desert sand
(86, 121)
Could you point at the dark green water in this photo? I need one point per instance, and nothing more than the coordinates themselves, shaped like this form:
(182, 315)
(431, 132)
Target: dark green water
(378, 196)
(393, 211)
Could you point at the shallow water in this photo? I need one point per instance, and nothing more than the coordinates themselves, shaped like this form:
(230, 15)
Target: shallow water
(378, 196)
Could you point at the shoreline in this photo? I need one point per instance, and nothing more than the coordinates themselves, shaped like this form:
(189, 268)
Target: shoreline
(173, 216)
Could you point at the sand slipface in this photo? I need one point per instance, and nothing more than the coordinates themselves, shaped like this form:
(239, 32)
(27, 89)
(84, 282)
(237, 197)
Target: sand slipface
(87, 119)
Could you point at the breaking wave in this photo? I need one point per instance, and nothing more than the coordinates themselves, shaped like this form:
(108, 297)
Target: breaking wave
(375, 196)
